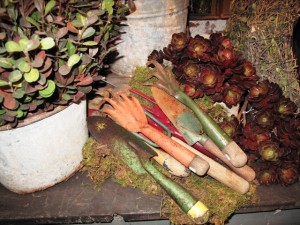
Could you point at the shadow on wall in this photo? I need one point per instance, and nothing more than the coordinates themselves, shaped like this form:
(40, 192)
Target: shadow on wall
(206, 27)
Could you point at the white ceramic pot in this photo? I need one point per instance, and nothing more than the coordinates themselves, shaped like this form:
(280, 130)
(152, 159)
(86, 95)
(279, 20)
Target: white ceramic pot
(150, 27)
(44, 150)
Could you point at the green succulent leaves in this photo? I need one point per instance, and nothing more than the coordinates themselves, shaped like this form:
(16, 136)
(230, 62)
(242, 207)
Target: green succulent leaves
(26, 45)
(12, 46)
(52, 48)
(49, 90)
(74, 59)
(6, 63)
(47, 43)
(107, 5)
(32, 76)
(49, 6)
(15, 76)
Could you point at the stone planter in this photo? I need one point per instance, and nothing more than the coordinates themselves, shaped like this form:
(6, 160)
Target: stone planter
(44, 150)
(150, 27)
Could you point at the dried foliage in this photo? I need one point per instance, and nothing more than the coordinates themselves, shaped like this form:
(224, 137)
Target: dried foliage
(262, 31)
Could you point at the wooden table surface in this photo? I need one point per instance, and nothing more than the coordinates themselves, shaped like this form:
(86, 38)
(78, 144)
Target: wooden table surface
(76, 201)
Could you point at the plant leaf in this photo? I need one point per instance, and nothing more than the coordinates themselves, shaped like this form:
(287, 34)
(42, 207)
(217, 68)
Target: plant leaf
(42, 80)
(72, 28)
(38, 61)
(81, 19)
(66, 97)
(15, 76)
(19, 93)
(49, 90)
(32, 76)
(71, 48)
(10, 103)
(79, 95)
(61, 32)
(23, 43)
(74, 59)
(32, 45)
(88, 32)
(47, 43)
(12, 46)
(6, 63)
(3, 83)
(20, 114)
(90, 43)
(90, 20)
(85, 81)
(107, 5)
(38, 5)
(64, 70)
(24, 66)
(49, 6)
(33, 22)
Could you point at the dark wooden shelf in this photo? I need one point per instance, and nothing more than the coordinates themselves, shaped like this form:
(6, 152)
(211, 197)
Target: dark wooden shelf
(76, 201)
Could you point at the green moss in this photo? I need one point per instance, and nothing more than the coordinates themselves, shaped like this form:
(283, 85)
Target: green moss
(142, 76)
(100, 163)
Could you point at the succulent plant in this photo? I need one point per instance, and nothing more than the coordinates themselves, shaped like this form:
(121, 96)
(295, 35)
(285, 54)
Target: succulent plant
(230, 126)
(203, 66)
(253, 135)
(52, 52)
(179, 41)
(288, 133)
(268, 128)
(265, 118)
(288, 173)
(267, 175)
(270, 150)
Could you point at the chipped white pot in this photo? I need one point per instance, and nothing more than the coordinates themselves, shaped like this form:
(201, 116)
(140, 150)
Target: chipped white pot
(150, 27)
(44, 150)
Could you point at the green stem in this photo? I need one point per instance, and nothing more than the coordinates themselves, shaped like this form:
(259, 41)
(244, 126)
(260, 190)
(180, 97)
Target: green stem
(180, 195)
(211, 128)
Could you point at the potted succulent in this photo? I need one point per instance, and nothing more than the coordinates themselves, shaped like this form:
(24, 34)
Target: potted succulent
(51, 54)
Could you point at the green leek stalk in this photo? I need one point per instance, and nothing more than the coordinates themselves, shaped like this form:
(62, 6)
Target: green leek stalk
(168, 83)
(192, 207)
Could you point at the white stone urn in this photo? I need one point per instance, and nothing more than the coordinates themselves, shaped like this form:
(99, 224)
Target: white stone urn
(44, 150)
(150, 27)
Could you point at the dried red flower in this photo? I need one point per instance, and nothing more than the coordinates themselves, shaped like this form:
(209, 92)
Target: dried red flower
(232, 95)
(270, 150)
(229, 126)
(267, 175)
(253, 135)
(156, 56)
(179, 41)
(265, 118)
(288, 133)
(285, 107)
(197, 48)
(264, 95)
(192, 91)
(210, 78)
(227, 58)
(289, 174)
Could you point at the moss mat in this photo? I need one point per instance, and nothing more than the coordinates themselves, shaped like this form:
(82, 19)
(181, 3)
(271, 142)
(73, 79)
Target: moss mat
(100, 163)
